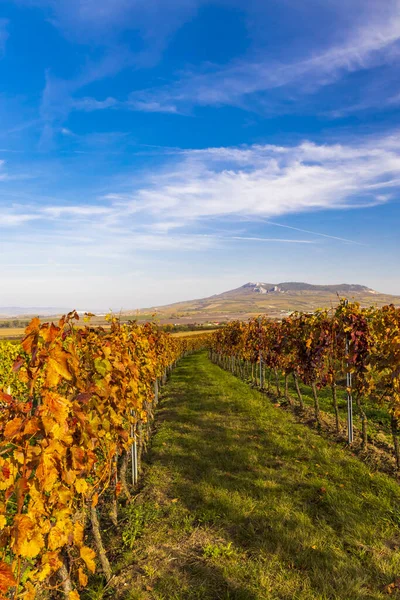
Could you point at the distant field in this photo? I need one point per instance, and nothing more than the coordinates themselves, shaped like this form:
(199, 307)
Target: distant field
(18, 332)
(191, 333)
(11, 332)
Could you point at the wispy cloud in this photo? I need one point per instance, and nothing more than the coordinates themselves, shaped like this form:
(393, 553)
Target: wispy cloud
(102, 22)
(16, 219)
(102, 25)
(58, 95)
(151, 106)
(259, 183)
(259, 83)
(88, 104)
(75, 211)
(263, 239)
(268, 181)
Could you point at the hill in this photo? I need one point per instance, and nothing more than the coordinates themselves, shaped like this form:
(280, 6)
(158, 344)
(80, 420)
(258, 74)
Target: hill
(251, 299)
(273, 299)
(28, 311)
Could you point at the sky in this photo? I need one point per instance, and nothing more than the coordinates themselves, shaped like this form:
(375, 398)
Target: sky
(155, 151)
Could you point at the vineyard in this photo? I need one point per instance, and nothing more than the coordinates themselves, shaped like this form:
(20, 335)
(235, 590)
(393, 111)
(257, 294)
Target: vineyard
(77, 403)
(348, 349)
(75, 410)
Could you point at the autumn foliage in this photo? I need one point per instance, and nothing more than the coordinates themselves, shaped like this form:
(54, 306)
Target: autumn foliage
(321, 349)
(71, 408)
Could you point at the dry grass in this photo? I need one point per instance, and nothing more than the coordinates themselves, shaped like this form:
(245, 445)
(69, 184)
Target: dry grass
(191, 333)
(11, 332)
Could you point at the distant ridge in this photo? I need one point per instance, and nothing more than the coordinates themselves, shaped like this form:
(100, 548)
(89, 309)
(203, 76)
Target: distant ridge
(298, 286)
(252, 298)
(9, 312)
(21, 311)
(273, 299)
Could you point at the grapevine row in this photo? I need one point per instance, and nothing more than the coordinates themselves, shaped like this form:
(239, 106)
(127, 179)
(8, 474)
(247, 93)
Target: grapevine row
(73, 402)
(321, 349)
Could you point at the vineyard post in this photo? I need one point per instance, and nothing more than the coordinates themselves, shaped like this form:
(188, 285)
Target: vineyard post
(134, 453)
(136, 460)
(156, 392)
(349, 398)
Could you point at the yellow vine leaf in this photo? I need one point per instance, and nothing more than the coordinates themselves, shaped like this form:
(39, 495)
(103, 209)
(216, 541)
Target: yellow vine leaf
(81, 486)
(43, 573)
(57, 406)
(47, 473)
(88, 555)
(58, 361)
(51, 333)
(31, 426)
(33, 326)
(83, 578)
(19, 456)
(32, 547)
(27, 541)
(78, 534)
(30, 591)
(12, 428)
(50, 564)
(58, 536)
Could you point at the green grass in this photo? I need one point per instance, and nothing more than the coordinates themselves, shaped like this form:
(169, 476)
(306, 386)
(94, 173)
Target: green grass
(378, 427)
(241, 502)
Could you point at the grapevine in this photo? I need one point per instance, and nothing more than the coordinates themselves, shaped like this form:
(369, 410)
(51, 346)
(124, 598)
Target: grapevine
(320, 349)
(74, 400)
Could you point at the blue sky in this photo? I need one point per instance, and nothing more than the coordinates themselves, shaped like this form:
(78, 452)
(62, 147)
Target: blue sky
(154, 151)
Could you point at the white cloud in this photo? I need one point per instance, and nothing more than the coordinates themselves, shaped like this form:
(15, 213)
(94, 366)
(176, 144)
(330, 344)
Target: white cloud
(15, 220)
(90, 104)
(200, 203)
(252, 182)
(150, 106)
(269, 181)
(75, 211)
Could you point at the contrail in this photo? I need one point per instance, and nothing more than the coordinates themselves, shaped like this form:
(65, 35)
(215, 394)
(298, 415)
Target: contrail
(332, 237)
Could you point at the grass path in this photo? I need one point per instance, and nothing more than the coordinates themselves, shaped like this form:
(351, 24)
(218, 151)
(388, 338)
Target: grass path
(240, 502)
